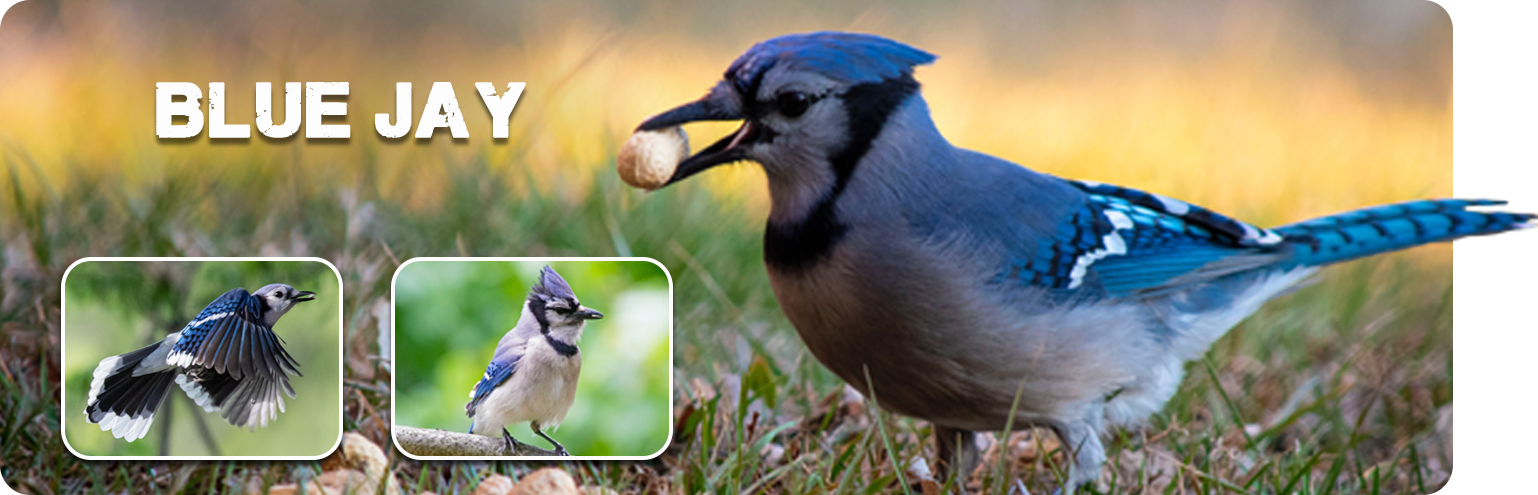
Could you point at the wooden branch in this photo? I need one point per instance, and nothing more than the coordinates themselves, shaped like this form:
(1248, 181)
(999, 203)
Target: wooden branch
(442, 443)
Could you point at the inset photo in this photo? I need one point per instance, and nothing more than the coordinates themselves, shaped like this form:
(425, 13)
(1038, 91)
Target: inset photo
(202, 358)
(532, 358)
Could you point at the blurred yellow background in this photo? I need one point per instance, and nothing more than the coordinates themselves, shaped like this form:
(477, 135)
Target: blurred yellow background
(1272, 111)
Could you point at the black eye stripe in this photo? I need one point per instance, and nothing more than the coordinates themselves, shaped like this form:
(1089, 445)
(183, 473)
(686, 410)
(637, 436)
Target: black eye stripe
(796, 245)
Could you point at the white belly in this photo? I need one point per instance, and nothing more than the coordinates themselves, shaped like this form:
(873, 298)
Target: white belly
(541, 392)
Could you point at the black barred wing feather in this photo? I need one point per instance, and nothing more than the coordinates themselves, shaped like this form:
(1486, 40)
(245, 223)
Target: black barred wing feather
(249, 402)
(1126, 242)
(229, 337)
(497, 372)
(235, 364)
(255, 401)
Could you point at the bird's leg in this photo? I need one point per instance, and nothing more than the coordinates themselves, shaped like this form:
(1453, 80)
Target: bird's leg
(559, 450)
(957, 454)
(1083, 441)
(509, 442)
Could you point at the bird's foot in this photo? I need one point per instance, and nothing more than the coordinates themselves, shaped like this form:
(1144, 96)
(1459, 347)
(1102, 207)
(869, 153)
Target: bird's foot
(559, 449)
(510, 443)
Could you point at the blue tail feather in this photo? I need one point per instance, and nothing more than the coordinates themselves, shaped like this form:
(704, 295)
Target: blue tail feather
(1380, 229)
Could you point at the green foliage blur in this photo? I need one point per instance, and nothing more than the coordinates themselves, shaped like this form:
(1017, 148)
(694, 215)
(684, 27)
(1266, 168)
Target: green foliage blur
(114, 307)
(449, 316)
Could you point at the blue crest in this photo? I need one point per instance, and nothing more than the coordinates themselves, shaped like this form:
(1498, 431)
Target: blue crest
(849, 58)
(551, 285)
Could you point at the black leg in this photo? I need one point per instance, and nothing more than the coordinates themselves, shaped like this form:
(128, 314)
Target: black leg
(559, 450)
(957, 452)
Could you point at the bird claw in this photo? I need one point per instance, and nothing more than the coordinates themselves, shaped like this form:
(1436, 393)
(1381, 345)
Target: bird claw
(560, 450)
(509, 443)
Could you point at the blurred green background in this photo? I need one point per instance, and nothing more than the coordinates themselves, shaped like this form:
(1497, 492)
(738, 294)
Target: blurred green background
(449, 316)
(119, 306)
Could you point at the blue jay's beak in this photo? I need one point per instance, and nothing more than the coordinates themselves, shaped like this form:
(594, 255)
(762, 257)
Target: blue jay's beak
(303, 296)
(720, 104)
(589, 314)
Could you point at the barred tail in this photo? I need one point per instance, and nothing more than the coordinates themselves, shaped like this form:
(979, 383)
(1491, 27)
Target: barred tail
(125, 403)
(1380, 229)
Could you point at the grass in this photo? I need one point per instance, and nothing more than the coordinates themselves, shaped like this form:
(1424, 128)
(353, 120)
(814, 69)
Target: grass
(1341, 387)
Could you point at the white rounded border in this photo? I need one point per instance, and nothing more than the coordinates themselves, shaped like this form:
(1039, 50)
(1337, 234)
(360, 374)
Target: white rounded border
(395, 344)
(341, 360)
(1495, 334)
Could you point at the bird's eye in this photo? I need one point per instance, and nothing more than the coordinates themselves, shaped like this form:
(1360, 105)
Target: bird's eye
(562, 311)
(279, 294)
(793, 103)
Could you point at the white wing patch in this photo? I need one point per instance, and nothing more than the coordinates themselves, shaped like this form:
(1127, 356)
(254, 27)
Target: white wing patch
(182, 358)
(1173, 206)
(1264, 237)
(1113, 243)
(484, 377)
(196, 392)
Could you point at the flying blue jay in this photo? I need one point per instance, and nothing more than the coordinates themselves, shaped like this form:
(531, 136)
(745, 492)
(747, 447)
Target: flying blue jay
(948, 282)
(227, 359)
(533, 373)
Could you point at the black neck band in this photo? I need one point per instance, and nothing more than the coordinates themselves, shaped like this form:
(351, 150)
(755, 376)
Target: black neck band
(797, 245)
(563, 348)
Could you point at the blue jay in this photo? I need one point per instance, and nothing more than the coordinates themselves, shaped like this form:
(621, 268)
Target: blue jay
(533, 373)
(946, 283)
(227, 359)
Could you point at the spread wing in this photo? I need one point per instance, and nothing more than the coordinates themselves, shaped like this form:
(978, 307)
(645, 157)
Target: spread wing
(229, 337)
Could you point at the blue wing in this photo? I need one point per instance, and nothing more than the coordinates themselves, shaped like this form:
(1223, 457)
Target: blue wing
(500, 369)
(229, 337)
(1125, 242)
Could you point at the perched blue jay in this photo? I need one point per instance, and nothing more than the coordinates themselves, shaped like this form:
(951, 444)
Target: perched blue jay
(228, 360)
(951, 282)
(533, 373)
